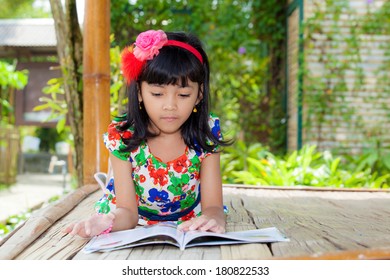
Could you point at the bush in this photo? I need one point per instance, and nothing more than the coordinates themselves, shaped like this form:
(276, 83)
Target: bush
(255, 165)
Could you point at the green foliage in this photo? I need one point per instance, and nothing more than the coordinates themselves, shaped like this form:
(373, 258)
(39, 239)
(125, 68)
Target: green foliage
(54, 93)
(255, 165)
(117, 89)
(334, 38)
(377, 22)
(241, 79)
(22, 9)
(240, 64)
(55, 101)
(49, 137)
(375, 158)
(236, 157)
(10, 79)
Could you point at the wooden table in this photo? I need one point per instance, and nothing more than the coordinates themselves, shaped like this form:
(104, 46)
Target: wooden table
(321, 224)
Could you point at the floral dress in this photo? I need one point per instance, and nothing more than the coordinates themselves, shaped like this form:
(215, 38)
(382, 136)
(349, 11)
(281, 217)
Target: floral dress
(165, 191)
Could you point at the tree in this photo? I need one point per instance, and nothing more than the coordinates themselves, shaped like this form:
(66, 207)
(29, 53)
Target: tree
(70, 54)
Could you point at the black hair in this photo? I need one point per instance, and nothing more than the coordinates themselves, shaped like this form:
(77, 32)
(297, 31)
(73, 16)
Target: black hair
(174, 65)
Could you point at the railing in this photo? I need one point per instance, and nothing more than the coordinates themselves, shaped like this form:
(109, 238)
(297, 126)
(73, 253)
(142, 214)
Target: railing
(9, 150)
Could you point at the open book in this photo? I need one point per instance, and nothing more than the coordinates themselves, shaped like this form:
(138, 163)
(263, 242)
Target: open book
(167, 233)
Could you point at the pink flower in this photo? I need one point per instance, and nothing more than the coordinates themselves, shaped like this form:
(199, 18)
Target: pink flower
(148, 44)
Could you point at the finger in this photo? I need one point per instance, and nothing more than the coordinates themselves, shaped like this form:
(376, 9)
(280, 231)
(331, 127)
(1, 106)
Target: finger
(76, 229)
(198, 222)
(69, 228)
(184, 226)
(209, 225)
(217, 229)
(88, 227)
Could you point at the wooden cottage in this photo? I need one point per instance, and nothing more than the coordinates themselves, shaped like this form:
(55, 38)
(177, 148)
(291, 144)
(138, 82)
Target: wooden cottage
(32, 42)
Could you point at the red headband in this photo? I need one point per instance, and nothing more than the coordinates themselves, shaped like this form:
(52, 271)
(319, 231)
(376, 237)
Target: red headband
(146, 47)
(185, 46)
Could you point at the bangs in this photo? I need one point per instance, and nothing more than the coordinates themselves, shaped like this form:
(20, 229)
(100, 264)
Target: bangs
(173, 66)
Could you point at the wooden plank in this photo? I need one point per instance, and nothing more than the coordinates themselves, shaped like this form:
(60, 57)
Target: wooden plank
(155, 252)
(62, 245)
(368, 254)
(237, 219)
(320, 224)
(40, 221)
(322, 221)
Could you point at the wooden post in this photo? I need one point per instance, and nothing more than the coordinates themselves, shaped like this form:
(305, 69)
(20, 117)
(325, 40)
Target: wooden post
(96, 79)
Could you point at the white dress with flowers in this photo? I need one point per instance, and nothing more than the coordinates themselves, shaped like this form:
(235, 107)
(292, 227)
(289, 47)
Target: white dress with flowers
(165, 191)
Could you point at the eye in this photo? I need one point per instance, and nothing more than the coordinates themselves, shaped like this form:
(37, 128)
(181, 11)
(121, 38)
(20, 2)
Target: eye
(184, 95)
(156, 94)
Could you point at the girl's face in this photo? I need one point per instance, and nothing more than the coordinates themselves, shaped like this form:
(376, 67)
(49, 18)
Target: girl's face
(169, 106)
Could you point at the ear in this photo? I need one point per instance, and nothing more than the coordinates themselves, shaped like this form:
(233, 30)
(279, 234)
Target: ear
(139, 92)
(200, 94)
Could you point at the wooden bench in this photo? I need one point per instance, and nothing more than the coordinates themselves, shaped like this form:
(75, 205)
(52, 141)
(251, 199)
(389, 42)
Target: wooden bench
(321, 224)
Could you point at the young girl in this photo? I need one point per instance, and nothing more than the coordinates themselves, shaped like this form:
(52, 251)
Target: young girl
(165, 151)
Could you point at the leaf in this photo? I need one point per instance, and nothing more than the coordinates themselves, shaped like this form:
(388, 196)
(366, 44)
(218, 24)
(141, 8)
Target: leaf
(380, 181)
(386, 161)
(61, 125)
(292, 159)
(334, 165)
(41, 107)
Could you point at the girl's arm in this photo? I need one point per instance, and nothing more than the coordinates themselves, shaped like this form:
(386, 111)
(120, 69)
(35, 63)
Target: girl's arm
(213, 217)
(125, 215)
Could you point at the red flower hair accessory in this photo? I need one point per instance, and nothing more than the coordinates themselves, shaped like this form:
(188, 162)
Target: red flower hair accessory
(149, 43)
(131, 66)
(146, 47)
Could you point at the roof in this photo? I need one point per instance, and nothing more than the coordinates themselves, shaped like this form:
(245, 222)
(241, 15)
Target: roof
(27, 33)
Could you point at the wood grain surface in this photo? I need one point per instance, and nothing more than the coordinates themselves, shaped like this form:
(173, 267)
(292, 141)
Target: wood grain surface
(321, 224)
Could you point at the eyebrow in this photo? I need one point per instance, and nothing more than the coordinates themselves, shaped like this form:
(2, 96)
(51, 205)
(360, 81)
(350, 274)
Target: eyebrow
(162, 85)
(156, 85)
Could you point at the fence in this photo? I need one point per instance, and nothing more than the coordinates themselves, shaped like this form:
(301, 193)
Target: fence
(9, 150)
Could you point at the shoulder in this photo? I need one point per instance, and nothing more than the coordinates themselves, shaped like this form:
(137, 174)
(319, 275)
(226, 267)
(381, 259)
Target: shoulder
(116, 129)
(117, 133)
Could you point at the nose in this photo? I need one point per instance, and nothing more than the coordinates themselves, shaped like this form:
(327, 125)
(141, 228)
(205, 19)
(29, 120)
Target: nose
(170, 104)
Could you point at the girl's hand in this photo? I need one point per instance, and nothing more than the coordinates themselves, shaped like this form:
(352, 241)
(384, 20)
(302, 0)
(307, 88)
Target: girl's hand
(204, 223)
(95, 225)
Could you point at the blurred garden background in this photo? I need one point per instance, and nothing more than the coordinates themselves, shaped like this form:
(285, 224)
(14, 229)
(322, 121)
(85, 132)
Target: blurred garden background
(302, 86)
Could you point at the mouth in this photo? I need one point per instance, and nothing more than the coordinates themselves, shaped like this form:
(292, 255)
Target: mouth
(169, 118)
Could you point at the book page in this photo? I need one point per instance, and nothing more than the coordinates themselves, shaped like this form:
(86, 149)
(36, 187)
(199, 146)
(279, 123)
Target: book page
(159, 240)
(198, 238)
(135, 236)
